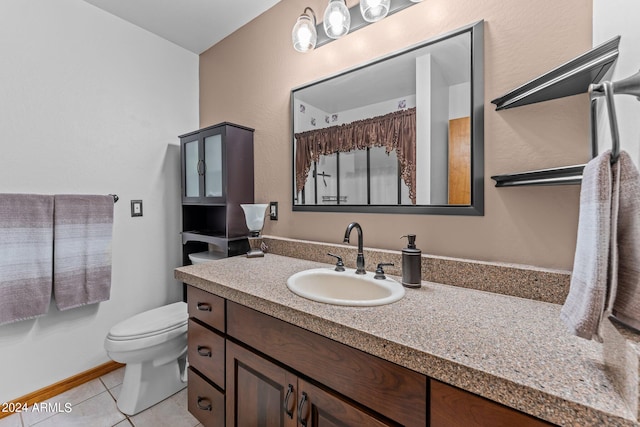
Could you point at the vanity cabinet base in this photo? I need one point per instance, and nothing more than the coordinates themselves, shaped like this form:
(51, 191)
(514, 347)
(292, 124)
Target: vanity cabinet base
(452, 407)
(264, 371)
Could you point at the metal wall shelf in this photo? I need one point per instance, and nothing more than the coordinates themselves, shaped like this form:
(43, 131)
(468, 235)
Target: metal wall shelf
(553, 176)
(572, 78)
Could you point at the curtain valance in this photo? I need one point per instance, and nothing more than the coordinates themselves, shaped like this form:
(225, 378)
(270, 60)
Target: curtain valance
(394, 131)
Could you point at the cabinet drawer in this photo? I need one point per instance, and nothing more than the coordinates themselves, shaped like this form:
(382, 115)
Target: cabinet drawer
(206, 352)
(205, 402)
(206, 307)
(393, 391)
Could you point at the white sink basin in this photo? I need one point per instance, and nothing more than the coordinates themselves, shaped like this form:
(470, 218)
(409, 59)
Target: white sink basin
(344, 288)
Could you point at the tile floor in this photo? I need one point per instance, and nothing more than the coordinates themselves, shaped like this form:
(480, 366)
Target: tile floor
(93, 404)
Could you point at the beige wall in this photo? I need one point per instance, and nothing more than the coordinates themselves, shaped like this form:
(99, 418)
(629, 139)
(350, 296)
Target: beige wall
(247, 79)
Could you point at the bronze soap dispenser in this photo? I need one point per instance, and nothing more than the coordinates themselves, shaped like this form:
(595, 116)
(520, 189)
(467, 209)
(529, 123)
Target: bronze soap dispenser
(411, 264)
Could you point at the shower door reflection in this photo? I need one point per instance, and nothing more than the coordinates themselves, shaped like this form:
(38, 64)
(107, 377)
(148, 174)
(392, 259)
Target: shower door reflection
(358, 177)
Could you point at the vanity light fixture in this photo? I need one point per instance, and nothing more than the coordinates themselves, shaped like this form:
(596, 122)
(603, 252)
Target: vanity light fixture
(304, 32)
(337, 19)
(374, 10)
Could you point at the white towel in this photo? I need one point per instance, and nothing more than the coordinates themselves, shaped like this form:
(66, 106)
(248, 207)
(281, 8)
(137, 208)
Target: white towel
(83, 226)
(26, 253)
(624, 301)
(584, 307)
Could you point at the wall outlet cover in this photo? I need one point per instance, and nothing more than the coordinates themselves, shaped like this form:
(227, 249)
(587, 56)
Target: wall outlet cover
(273, 211)
(136, 208)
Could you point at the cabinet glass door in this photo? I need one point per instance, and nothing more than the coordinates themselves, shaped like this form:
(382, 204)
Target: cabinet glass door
(192, 167)
(213, 169)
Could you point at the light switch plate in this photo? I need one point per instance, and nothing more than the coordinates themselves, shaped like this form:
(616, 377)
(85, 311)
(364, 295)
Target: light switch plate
(136, 208)
(273, 211)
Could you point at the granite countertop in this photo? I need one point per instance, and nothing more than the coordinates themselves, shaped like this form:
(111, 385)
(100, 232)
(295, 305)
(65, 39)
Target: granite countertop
(511, 350)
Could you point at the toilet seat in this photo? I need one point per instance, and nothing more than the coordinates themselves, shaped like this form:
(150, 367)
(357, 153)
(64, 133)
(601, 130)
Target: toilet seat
(148, 328)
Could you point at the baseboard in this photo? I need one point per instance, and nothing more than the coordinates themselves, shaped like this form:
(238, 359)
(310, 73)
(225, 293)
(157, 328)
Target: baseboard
(61, 386)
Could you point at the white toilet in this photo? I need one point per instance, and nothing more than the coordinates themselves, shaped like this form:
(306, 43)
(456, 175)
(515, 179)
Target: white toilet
(153, 345)
(200, 257)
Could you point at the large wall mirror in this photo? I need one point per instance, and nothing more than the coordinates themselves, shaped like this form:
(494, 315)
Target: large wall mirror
(401, 134)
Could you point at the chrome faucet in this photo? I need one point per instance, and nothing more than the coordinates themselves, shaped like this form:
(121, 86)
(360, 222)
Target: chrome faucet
(360, 259)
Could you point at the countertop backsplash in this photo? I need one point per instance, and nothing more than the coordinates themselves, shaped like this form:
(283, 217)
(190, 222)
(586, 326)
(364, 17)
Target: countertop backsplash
(508, 279)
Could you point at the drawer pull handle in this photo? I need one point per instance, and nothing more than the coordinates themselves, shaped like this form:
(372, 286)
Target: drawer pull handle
(288, 411)
(206, 407)
(203, 306)
(204, 351)
(302, 421)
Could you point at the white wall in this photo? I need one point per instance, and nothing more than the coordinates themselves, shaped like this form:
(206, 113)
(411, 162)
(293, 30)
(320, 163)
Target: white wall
(92, 104)
(439, 136)
(612, 18)
(460, 100)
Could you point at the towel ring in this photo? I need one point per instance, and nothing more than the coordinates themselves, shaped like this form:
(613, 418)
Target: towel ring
(628, 86)
(595, 91)
(613, 122)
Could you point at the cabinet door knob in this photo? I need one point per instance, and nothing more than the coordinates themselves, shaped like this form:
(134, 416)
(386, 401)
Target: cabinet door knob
(302, 421)
(288, 411)
(204, 351)
(206, 406)
(203, 306)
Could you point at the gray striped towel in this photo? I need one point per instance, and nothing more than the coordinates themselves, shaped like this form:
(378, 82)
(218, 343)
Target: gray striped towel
(26, 239)
(606, 269)
(83, 227)
(624, 301)
(584, 307)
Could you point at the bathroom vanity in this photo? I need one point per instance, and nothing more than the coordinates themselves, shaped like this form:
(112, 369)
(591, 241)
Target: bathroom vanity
(441, 356)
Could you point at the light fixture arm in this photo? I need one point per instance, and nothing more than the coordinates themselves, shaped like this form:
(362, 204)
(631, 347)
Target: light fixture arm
(313, 14)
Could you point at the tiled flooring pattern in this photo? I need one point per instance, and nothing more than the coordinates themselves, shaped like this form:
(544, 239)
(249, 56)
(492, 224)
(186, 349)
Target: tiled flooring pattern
(93, 404)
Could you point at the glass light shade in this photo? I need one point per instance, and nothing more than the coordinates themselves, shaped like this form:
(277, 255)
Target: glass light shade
(304, 34)
(415, 1)
(374, 10)
(254, 216)
(337, 19)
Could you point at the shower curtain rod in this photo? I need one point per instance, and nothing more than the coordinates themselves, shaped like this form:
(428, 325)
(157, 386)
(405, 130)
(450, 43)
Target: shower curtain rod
(607, 89)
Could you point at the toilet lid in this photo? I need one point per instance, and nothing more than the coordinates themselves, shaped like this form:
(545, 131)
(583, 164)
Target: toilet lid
(153, 322)
(205, 256)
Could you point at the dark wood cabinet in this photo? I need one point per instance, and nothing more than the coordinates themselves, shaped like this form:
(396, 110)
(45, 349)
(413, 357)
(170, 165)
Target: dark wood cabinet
(250, 369)
(321, 408)
(217, 165)
(217, 176)
(259, 392)
(383, 387)
(452, 407)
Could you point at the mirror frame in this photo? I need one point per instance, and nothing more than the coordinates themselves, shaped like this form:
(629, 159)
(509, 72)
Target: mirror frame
(476, 208)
